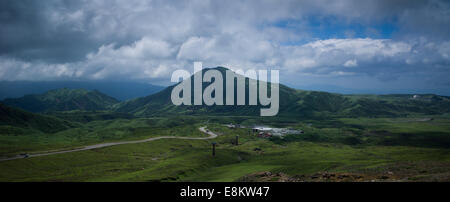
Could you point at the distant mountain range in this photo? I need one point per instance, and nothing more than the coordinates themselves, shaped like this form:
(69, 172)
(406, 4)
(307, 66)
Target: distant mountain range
(121, 90)
(63, 100)
(297, 103)
(293, 103)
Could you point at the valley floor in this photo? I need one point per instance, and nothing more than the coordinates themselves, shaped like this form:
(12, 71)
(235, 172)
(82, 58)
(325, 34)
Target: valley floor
(102, 145)
(258, 159)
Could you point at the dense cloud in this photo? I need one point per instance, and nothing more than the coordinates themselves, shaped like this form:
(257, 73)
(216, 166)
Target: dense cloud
(322, 42)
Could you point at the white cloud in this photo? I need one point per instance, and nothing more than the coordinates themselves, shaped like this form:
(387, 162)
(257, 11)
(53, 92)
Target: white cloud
(366, 47)
(145, 48)
(333, 55)
(444, 50)
(351, 63)
(149, 58)
(299, 63)
(11, 69)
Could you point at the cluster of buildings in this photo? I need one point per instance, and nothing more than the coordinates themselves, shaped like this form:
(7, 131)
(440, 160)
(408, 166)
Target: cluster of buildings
(267, 132)
(234, 126)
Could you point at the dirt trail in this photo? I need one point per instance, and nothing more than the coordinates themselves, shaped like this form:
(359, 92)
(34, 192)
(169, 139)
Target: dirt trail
(96, 146)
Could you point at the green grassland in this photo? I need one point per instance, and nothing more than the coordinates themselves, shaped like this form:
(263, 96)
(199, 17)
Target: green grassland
(357, 145)
(14, 140)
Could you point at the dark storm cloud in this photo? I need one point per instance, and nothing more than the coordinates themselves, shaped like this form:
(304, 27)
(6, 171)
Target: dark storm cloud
(51, 30)
(27, 33)
(43, 30)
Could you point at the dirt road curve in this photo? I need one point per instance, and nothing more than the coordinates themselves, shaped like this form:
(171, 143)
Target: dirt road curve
(96, 146)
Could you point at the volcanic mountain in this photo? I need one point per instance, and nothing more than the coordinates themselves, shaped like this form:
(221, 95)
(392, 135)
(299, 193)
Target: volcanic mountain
(293, 103)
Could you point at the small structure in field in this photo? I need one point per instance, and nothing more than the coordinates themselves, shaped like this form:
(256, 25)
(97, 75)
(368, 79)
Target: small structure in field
(214, 149)
(280, 132)
(233, 126)
(264, 135)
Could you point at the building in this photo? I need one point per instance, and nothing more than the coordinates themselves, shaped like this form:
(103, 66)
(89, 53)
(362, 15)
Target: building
(275, 131)
(233, 126)
(264, 135)
(230, 125)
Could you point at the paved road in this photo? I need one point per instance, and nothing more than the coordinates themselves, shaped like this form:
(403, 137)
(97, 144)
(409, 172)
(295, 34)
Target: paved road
(96, 146)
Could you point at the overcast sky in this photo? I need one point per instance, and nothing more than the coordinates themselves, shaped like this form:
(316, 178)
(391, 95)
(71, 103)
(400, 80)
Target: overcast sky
(341, 46)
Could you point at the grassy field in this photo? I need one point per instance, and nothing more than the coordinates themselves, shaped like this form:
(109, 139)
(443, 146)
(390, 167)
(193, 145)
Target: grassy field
(29, 141)
(191, 160)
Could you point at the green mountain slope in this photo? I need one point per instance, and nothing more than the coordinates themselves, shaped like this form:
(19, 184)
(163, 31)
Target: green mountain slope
(11, 118)
(296, 103)
(63, 100)
(161, 104)
(398, 104)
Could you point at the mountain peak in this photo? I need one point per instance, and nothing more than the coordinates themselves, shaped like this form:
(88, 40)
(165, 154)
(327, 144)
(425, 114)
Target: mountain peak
(68, 91)
(218, 68)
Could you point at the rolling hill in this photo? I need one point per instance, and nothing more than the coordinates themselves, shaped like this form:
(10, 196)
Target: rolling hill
(121, 90)
(11, 118)
(63, 100)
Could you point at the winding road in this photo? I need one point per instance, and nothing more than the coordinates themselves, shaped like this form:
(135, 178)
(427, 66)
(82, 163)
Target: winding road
(96, 146)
